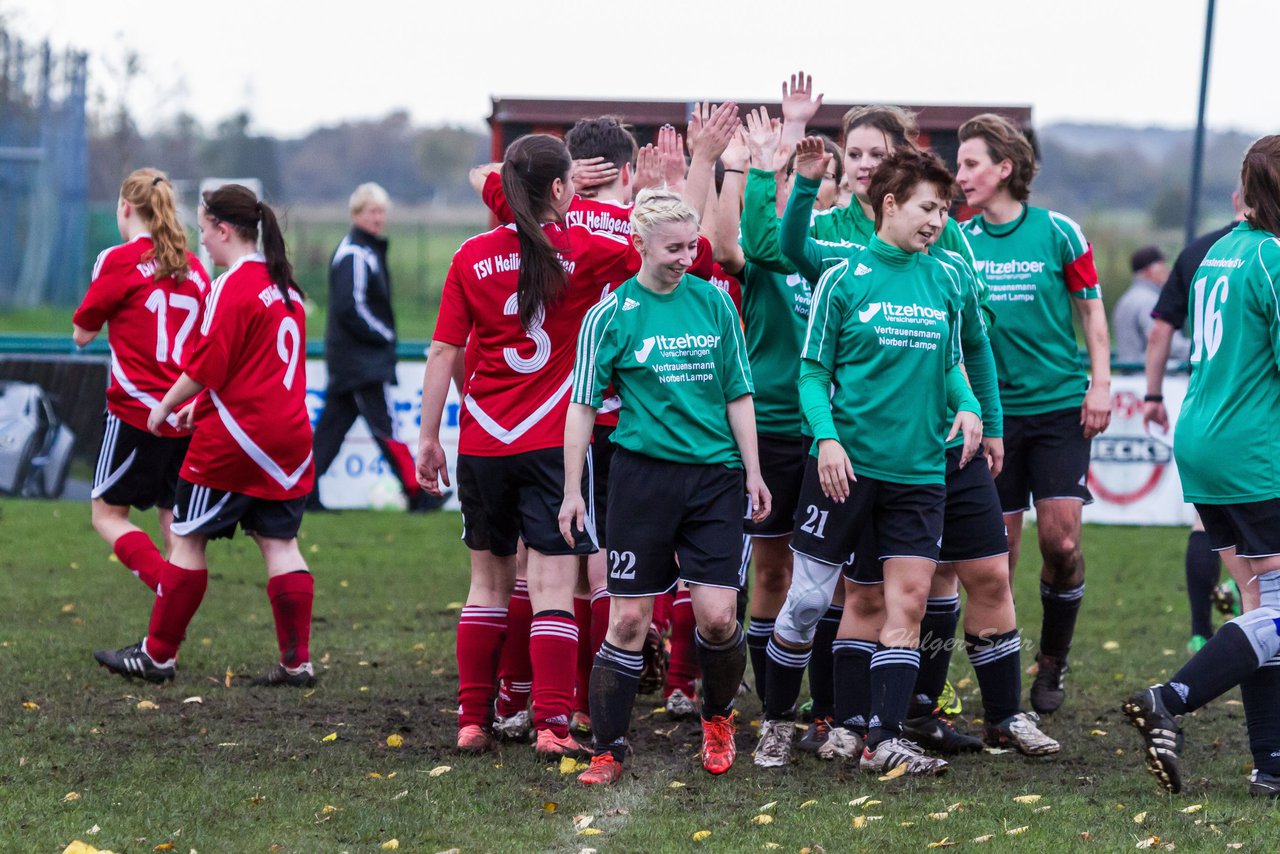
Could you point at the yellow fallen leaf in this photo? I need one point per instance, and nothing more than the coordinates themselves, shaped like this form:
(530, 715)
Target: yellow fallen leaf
(859, 822)
(452, 606)
(70, 796)
(30, 706)
(590, 831)
(1140, 818)
(772, 846)
(944, 842)
(675, 784)
(1026, 799)
(328, 809)
(375, 775)
(1192, 808)
(419, 646)
(434, 772)
(807, 804)
(550, 806)
(1149, 842)
(333, 736)
(164, 846)
(964, 682)
(1042, 809)
(1097, 732)
(987, 837)
(78, 847)
(391, 845)
(394, 740)
(1111, 646)
(958, 806)
(768, 806)
(68, 608)
(700, 835)
(567, 764)
(146, 706)
(226, 679)
(906, 824)
(939, 816)
(1018, 831)
(763, 818)
(1234, 846)
(894, 773)
(857, 802)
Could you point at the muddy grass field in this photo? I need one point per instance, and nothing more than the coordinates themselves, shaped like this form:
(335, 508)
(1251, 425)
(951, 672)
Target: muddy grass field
(364, 762)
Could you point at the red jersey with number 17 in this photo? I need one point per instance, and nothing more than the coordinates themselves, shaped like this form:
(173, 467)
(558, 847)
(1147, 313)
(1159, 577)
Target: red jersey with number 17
(252, 434)
(153, 325)
(517, 389)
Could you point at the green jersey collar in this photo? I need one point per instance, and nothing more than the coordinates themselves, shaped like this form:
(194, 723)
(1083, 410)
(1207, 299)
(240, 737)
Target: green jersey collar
(892, 255)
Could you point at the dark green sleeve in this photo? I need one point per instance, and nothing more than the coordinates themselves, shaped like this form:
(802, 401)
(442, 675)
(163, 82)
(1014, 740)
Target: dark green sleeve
(759, 223)
(953, 239)
(793, 234)
(980, 363)
(959, 396)
(815, 399)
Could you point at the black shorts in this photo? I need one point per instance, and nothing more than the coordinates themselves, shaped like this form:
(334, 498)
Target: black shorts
(136, 468)
(907, 519)
(782, 467)
(505, 499)
(213, 513)
(664, 512)
(1046, 456)
(973, 526)
(601, 457)
(1252, 528)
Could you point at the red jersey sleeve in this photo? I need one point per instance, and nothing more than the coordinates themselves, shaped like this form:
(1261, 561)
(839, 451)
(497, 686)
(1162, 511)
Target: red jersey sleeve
(495, 199)
(704, 266)
(453, 324)
(108, 287)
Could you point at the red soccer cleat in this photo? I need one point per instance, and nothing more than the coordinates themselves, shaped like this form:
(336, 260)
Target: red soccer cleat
(718, 747)
(604, 770)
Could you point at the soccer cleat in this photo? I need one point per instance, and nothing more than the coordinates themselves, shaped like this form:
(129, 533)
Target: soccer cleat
(653, 674)
(937, 733)
(949, 700)
(1196, 644)
(551, 746)
(1264, 785)
(815, 735)
(841, 743)
(302, 676)
(473, 738)
(718, 747)
(774, 748)
(1022, 732)
(517, 727)
(1226, 598)
(893, 752)
(679, 706)
(580, 724)
(1047, 691)
(134, 662)
(1162, 734)
(603, 771)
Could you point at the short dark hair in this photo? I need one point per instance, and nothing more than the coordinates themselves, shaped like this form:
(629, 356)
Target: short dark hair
(1005, 142)
(1260, 180)
(902, 171)
(830, 147)
(605, 137)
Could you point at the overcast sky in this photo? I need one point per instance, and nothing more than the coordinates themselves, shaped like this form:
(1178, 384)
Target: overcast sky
(298, 65)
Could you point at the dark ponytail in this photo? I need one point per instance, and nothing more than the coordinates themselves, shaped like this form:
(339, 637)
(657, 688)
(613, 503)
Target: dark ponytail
(238, 207)
(532, 163)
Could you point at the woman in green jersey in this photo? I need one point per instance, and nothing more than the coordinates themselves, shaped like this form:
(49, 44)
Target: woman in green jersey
(884, 325)
(671, 345)
(1226, 445)
(1038, 264)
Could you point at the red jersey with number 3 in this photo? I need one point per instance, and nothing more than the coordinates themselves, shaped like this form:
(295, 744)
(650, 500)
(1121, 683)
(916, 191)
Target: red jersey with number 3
(252, 434)
(517, 388)
(152, 326)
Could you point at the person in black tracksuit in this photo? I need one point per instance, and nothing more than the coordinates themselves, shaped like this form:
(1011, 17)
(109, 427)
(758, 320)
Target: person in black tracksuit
(360, 348)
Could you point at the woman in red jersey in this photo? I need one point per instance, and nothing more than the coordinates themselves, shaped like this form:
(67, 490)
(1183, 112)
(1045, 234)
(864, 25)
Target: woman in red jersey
(249, 463)
(519, 293)
(149, 290)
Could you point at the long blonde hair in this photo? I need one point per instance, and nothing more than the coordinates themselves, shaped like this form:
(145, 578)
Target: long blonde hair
(151, 195)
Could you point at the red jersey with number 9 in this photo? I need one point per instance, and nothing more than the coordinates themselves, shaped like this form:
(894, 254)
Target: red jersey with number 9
(517, 388)
(153, 325)
(252, 433)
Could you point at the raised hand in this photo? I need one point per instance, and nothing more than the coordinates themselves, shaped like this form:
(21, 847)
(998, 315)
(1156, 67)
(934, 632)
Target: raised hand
(592, 172)
(697, 121)
(763, 134)
(812, 158)
(648, 168)
(671, 158)
(798, 105)
(738, 154)
(715, 132)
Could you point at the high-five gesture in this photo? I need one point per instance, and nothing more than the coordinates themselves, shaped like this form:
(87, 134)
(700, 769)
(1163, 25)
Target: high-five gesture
(762, 137)
(798, 104)
(711, 130)
(671, 157)
(812, 158)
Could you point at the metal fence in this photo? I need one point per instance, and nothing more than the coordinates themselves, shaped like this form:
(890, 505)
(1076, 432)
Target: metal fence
(43, 174)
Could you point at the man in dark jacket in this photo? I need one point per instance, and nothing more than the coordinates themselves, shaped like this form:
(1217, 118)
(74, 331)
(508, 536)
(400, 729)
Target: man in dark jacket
(360, 348)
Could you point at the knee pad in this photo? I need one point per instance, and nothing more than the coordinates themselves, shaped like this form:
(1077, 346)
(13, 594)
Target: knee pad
(813, 584)
(1262, 627)
(1269, 589)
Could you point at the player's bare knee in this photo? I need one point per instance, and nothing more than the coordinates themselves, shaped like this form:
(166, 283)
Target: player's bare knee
(628, 622)
(719, 626)
(772, 581)
(866, 600)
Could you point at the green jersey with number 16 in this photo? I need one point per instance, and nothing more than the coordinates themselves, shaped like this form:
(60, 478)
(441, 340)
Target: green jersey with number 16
(1228, 431)
(1034, 266)
(676, 360)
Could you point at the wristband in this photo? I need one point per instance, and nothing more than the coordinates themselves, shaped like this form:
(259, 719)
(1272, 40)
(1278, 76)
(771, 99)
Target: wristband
(1153, 398)
(734, 171)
